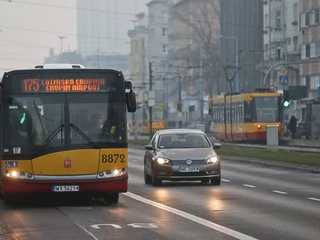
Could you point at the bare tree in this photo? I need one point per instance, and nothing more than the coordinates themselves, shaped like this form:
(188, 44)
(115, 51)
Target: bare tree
(202, 20)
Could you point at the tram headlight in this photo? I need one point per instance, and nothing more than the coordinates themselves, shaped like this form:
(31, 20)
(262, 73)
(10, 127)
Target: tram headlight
(113, 173)
(17, 174)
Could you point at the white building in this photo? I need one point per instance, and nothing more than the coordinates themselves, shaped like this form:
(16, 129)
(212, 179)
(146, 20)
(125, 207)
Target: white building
(98, 27)
(281, 37)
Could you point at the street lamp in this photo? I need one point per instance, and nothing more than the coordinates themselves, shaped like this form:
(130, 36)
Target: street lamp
(237, 60)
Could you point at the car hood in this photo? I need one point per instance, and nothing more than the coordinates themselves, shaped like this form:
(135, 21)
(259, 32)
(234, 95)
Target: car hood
(187, 153)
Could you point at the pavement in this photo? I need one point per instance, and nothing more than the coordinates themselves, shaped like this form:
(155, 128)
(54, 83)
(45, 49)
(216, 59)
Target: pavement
(254, 201)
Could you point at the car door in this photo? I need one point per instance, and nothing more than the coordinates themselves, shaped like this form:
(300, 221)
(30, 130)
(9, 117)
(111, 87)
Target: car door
(149, 154)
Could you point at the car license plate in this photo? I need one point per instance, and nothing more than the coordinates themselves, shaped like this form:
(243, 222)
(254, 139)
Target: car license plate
(73, 188)
(189, 169)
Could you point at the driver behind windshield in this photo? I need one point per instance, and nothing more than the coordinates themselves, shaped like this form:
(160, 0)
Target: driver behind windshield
(95, 125)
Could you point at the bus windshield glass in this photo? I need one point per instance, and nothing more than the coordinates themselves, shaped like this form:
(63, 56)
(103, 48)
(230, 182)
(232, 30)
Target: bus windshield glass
(267, 109)
(54, 120)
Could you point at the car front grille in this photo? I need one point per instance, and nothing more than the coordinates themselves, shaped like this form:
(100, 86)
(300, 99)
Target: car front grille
(183, 162)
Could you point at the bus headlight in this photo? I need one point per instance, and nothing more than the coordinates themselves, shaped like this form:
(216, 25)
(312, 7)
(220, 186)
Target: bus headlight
(113, 173)
(212, 160)
(17, 174)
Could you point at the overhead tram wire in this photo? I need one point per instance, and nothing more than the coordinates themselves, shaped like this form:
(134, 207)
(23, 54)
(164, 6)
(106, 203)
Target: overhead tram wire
(128, 14)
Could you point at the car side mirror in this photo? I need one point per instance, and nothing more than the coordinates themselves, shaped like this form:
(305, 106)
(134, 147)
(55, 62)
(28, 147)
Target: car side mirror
(149, 147)
(216, 145)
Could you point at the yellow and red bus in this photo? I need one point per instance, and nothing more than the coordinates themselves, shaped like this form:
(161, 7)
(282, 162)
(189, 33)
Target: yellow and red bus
(142, 117)
(249, 115)
(49, 142)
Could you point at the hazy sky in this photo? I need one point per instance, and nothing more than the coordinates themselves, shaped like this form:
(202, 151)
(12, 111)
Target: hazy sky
(29, 28)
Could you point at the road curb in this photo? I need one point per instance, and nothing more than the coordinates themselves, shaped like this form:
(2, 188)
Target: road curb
(259, 161)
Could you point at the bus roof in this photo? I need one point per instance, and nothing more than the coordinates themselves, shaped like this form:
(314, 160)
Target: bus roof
(58, 66)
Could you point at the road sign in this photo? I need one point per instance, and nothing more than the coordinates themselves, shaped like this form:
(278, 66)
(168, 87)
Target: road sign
(284, 71)
(283, 79)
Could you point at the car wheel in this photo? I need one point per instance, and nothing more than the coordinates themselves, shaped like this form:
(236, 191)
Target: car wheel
(215, 181)
(147, 178)
(111, 198)
(156, 181)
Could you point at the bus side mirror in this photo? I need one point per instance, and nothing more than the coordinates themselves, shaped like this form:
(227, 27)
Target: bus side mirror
(130, 97)
(131, 101)
(210, 112)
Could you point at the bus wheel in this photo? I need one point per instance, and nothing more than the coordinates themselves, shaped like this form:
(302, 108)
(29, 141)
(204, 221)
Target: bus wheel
(111, 198)
(10, 200)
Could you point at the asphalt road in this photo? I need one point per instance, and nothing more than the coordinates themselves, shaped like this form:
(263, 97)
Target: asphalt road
(253, 202)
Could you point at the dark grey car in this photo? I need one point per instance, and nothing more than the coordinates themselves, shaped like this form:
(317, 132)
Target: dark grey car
(181, 154)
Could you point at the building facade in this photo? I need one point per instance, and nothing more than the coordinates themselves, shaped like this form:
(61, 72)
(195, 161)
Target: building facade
(281, 39)
(97, 27)
(310, 45)
(241, 23)
(194, 51)
(139, 55)
(158, 46)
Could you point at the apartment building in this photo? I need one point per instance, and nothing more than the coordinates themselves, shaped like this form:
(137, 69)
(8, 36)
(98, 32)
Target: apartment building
(139, 55)
(281, 39)
(242, 35)
(310, 45)
(98, 27)
(158, 46)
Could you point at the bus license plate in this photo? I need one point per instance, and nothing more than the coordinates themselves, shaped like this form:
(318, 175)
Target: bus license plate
(189, 169)
(74, 188)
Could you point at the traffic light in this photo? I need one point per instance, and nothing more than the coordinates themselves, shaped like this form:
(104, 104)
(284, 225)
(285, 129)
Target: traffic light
(286, 100)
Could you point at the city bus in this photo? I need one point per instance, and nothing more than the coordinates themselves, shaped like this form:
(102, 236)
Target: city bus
(249, 116)
(63, 131)
(142, 117)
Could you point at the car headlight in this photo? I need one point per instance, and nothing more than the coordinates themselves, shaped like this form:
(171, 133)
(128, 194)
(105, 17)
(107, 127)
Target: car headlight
(213, 159)
(17, 174)
(163, 161)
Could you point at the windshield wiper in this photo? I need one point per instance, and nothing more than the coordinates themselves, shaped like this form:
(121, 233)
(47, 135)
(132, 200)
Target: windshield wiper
(82, 134)
(51, 136)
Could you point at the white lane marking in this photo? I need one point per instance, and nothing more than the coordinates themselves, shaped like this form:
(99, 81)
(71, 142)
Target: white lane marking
(191, 217)
(250, 186)
(314, 199)
(83, 208)
(225, 180)
(97, 226)
(276, 191)
(87, 231)
(142, 225)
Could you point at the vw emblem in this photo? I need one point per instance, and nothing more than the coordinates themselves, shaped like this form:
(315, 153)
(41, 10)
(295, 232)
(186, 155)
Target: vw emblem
(189, 162)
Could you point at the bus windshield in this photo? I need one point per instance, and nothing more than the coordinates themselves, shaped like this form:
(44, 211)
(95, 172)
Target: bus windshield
(57, 120)
(267, 109)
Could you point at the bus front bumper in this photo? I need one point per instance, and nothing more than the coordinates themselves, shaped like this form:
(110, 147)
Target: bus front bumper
(17, 186)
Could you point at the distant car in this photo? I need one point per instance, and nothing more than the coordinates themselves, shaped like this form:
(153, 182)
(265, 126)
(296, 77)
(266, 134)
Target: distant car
(181, 154)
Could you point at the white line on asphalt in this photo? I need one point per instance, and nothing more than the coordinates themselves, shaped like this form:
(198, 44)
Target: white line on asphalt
(276, 191)
(225, 180)
(314, 199)
(250, 186)
(191, 217)
(86, 231)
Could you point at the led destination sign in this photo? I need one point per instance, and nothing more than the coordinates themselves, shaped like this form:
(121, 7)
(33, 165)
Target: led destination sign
(64, 85)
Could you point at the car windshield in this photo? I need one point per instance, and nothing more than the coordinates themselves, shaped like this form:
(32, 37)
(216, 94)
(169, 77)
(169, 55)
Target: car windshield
(183, 140)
